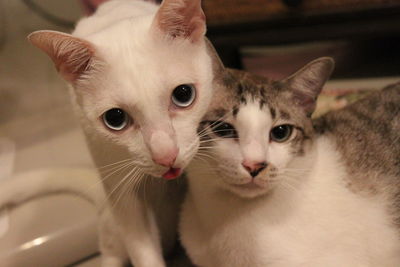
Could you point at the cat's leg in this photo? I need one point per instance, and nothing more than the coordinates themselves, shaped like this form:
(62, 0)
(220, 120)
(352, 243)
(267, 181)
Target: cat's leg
(141, 236)
(145, 253)
(112, 249)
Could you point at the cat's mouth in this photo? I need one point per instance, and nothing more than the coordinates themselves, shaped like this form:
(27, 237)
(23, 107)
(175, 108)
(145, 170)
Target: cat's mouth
(172, 173)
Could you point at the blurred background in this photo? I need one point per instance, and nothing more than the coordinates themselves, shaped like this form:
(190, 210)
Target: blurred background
(271, 37)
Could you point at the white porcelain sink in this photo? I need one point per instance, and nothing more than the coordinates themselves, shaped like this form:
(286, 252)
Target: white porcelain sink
(53, 230)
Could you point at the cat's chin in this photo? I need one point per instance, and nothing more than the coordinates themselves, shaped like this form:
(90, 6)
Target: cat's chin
(247, 190)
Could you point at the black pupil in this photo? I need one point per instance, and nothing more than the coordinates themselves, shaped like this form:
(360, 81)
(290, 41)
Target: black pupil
(281, 132)
(115, 117)
(183, 93)
(224, 129)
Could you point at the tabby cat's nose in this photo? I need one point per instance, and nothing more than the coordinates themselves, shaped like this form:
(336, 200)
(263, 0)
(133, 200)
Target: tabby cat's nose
(254, 168)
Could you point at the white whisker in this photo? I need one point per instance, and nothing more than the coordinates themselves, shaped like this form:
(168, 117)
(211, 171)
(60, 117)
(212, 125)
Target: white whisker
(118, 162)
(116, 187)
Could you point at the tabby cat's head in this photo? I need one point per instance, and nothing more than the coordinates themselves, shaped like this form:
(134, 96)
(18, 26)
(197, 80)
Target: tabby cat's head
(257, 130)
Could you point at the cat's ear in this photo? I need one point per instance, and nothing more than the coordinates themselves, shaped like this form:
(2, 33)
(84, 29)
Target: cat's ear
(181, 19)
(72, 56)
(307, 83)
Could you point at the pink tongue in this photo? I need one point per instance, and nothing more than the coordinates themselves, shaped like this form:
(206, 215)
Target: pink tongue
(172, 173)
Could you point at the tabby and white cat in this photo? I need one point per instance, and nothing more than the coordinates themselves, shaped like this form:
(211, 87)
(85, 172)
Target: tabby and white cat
(269, 190)
(141, 80)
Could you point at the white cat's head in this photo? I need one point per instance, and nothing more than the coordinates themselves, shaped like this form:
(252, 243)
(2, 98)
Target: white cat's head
(143, 83)
(259, 132)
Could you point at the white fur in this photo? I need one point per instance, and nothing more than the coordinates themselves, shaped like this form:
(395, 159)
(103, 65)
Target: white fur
(141, 70)
(252, 128)
(135, 64)
(308, 218)
(141, 73)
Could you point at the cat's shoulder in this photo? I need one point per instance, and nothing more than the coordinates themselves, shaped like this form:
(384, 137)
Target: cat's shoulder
(367, 136)
(372, 122)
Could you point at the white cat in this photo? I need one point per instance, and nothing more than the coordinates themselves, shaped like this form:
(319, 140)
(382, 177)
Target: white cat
(141, 79)
(270, 192)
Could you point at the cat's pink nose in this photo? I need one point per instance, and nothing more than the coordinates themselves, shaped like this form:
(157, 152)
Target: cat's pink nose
(254, 168)
(163, 148)
(168, 159)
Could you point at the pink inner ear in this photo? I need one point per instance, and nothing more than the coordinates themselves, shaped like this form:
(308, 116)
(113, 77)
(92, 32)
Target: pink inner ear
(73, 64)
(71, 56)
(182, 18)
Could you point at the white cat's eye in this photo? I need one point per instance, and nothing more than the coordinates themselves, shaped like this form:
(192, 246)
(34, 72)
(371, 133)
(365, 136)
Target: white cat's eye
(183, 95)
(281, 133)
(116, 119)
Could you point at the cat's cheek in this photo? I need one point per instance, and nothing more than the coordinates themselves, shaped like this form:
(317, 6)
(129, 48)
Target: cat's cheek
(229, 157)
(278, 155)
(187, 139)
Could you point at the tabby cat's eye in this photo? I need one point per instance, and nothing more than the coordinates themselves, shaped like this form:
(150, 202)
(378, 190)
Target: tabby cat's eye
(224, 129)
(116, 119)
(183, 95)
(281, 133)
